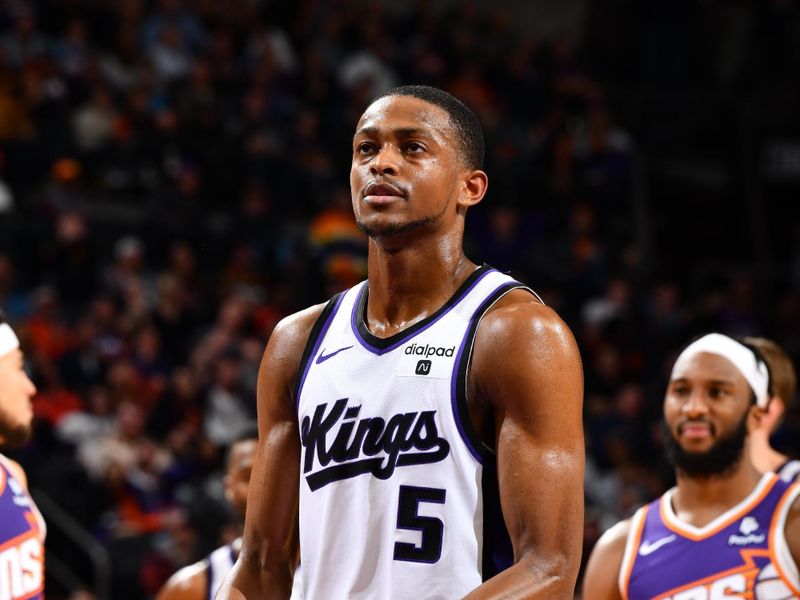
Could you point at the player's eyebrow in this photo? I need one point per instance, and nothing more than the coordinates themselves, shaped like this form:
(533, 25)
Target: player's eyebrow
(402, 132)
(712, 382)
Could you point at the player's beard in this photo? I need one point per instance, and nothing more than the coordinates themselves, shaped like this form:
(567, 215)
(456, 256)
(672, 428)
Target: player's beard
(719, 460)
(13, 435)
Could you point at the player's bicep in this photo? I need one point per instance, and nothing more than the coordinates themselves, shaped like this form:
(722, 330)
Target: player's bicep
(534, 380)
(273, 490)
(601, 580)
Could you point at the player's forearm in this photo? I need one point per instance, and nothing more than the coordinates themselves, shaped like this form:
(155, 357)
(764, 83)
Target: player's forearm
(530, 579)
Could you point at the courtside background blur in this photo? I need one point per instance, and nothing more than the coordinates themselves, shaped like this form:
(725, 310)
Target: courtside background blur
(173, 181)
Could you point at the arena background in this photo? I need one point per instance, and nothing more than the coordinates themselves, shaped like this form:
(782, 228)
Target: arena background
(173, 181)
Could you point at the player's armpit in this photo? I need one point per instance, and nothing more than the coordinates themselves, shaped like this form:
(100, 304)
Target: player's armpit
(527, 368)
(601, 580)
(268, 553)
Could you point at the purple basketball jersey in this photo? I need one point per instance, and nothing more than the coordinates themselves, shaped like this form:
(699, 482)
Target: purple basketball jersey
(21, 541)
(740, 554)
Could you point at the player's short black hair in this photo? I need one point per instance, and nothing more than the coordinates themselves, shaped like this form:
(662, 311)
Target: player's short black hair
(471, 144)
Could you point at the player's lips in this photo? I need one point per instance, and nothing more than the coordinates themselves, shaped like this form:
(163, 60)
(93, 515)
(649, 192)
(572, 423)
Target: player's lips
(695, 430)
(382, 193)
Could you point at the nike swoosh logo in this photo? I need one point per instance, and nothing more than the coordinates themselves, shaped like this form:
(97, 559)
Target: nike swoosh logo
(648, 548)
(323, 357)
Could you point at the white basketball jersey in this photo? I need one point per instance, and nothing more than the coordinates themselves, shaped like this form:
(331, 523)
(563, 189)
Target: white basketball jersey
(220, 562)
(398, 496)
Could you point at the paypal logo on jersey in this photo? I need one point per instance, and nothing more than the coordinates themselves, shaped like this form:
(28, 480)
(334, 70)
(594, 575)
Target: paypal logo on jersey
(747, 528)
(367, 445)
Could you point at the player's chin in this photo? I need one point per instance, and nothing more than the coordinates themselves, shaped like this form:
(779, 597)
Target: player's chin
(17, 435)
(378, 226)
(696, 447)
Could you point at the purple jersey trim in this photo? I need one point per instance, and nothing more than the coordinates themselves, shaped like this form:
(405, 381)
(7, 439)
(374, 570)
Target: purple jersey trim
(316, 346)
(460, 367)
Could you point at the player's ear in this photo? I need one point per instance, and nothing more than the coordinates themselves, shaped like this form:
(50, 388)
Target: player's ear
(474, 186)
(757, 418)
(773, 413)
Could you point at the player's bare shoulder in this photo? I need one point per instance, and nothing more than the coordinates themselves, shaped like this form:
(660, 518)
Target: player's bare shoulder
(17, 471)
(291, 333)
(521, 334)
(520, 316)
(613, 541)
(601, 580)
(287, 343)
(189, 583)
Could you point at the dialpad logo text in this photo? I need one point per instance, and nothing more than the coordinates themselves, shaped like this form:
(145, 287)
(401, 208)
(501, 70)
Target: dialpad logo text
(428, 350)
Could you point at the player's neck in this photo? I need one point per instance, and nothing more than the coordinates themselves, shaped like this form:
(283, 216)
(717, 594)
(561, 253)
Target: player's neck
(699, 500)
(765, 457)
(409, 284)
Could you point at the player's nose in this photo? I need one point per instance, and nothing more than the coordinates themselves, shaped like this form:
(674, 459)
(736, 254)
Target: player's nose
(30, 387)
(695, 404)
(385, 161)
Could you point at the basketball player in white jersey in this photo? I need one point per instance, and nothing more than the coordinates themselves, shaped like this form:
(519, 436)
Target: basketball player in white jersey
(201, 580)
(405, 413)
(726, 530)
(22, 528)
(784, 385)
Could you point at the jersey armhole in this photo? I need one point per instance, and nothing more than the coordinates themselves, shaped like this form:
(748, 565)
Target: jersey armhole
(631, 548)
(318, 332)
(458, 390)
(778, 547)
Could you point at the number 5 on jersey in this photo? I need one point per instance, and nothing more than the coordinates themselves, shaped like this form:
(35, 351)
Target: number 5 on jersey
(408, 517)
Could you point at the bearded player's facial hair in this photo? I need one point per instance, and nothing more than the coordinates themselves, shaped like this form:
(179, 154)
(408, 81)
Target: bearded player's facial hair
(719, 460)
(13, 435)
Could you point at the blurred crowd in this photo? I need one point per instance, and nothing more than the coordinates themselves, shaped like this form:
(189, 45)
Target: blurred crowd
(173, 182)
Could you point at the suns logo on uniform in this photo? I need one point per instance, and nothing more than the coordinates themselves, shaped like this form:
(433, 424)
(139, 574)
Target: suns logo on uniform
(21, 567)
(756, 578)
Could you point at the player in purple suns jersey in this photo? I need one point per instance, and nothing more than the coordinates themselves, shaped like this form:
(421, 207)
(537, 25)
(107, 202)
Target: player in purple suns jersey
(22, 529)
(423, 428)
(783, 385)
(726, 530)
